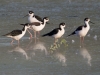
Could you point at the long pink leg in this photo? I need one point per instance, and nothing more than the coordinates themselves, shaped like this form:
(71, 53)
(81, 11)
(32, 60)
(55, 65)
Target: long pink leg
(34, 34)
(81, 40)
(12, 42)
(35, 40)
(30, 34)
(18, 42)
(38, 33)
(56, 40)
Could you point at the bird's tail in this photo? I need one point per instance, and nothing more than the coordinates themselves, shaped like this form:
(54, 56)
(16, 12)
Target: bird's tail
(4, 35)
(7, 35)
(44, 35)
(72, 33)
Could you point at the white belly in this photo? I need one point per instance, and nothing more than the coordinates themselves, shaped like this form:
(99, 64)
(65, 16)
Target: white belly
(59, 34)
(83, 32)
(38, 28)
(19, 36)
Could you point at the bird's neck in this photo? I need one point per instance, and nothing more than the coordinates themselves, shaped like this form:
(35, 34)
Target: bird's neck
(24, 28)
(87, 23)
(61, 28)
(44, 22)
(32, 15)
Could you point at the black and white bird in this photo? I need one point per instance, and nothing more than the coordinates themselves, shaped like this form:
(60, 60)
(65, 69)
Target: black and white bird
(82, 30)
(33, 18)
(37, 26)
(57, 32)
(18, 34)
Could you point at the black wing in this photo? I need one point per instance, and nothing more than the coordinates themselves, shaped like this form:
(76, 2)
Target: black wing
(14, 33)
(35, 23)
(55, 31)
(38, 18)
(78, 29)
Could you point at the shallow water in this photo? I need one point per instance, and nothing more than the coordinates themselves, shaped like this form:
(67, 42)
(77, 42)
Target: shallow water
(36, 57)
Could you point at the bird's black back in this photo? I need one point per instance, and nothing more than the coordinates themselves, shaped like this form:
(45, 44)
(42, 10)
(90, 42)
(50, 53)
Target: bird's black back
(77, 29)
(38, 18)
(14, 33)
(35, 23)
(53, 32)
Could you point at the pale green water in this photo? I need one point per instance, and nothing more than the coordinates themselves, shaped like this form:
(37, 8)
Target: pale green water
(38, 59)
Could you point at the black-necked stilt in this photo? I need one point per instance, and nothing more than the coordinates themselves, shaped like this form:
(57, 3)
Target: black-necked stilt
(33, 18)
(37, 27)
(82, 30)
(57, 32)
(18, 34)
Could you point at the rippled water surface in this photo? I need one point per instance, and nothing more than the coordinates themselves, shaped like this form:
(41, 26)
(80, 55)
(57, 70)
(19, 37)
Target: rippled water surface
(35, 57)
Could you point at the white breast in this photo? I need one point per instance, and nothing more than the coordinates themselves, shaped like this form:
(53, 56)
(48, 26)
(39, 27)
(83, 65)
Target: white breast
(60, 33)
(38, 28)
(83, 32)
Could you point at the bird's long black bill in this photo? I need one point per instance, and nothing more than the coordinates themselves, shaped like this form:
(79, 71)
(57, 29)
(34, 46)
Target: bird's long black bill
(25, 16)
(48, 23)
(92, 22)
(22, 24)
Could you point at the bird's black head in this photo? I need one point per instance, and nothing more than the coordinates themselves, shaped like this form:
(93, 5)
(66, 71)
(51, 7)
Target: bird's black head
(86, 19)
(62, 24)
(46, 19)
(30, 12)
(26, 24)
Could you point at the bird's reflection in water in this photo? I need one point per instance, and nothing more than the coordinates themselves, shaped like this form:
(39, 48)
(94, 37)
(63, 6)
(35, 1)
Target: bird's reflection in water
(86, 55)
(40, 46)
(60, 57)
(37, 45)
(21, 51)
